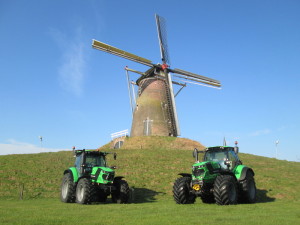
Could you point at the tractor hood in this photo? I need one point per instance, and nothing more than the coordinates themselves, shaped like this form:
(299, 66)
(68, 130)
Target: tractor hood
(209, 164)
(103, 175)
(205, 170)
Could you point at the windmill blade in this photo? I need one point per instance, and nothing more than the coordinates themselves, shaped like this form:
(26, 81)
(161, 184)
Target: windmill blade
(162, 37)
(196, 83)
(118, 52)
(197, 77)
(208, 84)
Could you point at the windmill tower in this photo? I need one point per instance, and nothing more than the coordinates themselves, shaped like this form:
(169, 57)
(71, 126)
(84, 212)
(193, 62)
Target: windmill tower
(155, 111)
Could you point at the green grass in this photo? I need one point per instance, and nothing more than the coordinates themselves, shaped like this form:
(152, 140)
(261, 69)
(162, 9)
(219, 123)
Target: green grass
(52, 211)
(151, 173)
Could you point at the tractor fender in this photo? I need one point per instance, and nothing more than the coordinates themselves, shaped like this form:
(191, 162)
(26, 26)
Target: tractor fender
(73, 172)
(243, 173)
(185, 174)
(118, 178)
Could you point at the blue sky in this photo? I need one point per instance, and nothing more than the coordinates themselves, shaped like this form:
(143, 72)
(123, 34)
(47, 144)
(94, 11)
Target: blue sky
(55, 85)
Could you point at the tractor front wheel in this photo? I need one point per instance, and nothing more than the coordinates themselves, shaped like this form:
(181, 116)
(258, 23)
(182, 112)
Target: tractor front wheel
(181, 191)
(67, 189)
(84, 191)
(248, 192)
(225, 190)
(121, 194)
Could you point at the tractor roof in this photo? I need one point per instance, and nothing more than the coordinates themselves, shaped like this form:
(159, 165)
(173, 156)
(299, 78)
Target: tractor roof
(217, 148)
(91, 151)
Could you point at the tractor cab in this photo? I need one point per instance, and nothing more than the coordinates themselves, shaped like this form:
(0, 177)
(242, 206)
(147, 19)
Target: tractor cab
(226, 156)
(86, 160)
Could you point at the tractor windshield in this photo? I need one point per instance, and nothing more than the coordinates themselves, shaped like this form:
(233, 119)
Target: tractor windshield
(216, 155)
(95, 160)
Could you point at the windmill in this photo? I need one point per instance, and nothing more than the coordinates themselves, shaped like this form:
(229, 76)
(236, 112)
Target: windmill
(155, 111)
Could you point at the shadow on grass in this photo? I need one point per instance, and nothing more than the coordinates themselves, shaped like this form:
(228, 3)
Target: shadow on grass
(262, 197)
(144, 195)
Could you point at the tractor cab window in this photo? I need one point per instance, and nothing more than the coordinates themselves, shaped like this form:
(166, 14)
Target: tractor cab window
(78, 162)
(217, 156)
(233, 158)
(95, 160)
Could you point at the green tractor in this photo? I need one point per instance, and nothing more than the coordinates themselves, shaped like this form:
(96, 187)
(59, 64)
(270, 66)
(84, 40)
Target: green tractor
(220, 178)
(91, 180)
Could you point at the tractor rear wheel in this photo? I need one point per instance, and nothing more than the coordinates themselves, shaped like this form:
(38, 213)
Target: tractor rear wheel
(85, 191)
(225, 190)
(121, 194)
(67, 189)
(248, 192)
(181, 191)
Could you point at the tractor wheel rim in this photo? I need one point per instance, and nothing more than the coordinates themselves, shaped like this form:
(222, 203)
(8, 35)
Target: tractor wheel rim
(80, 193)
(65, 189)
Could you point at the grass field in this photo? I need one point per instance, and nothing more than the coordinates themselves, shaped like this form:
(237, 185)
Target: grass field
(150, 171)
(52, 211)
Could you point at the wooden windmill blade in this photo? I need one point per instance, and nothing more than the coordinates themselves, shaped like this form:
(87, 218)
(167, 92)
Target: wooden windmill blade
(197, 81)
(162, 37)
(121, 53)
(196, 77)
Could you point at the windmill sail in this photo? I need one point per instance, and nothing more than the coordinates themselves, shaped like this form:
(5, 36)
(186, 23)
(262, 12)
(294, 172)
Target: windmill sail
(162, 37)
(121, 53)
(198, 78)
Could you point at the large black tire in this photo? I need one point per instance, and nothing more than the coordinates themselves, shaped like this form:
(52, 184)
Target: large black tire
(248, 192)
(85, 191)
(225, 190)
(122, 193)
(181, 191)
(67, 193)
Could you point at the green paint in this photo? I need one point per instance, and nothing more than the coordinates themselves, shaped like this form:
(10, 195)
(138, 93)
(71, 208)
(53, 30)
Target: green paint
(238, 171)
(105, 176)
(75, 173)
(206, 175)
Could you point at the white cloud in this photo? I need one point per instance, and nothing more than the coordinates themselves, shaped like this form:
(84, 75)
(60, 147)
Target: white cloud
(72, 69)
(71, 72)
(260, 132)
(15, 147)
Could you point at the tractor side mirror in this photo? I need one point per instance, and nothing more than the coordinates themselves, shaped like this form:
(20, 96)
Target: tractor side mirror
(236, 150)
(115, 156)
(195, 154)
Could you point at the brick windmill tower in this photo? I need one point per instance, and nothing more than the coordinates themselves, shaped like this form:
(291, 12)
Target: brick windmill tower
(154, 112)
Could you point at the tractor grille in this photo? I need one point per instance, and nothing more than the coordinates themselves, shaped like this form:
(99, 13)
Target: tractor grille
(197, 171)
(108, 176)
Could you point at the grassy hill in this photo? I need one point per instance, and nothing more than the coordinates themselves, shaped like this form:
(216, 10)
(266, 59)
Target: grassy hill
(150, 170)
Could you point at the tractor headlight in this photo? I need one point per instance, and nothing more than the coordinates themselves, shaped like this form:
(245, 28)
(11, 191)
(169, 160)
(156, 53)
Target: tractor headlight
(198, 171)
